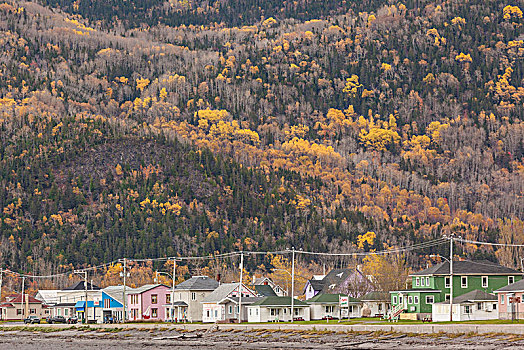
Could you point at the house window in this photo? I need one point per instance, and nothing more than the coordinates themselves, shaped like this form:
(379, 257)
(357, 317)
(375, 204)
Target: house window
(231, 309)
(256, 312)
(446, 297)
(415, 300)
(422, 281)
(168, 298)
(417, 281)
(427, 281)
(502, 299)
(464, 281)
(66, 311)
(329, 309)
(410, 299)
(297, 312)
(249, 312)
(193, 296)
(394, 299)
(430, 299)
(447, 282)
(400, 299)
(484, 281)
(467, 309)
(494, 306)
(154, 298)
(32, 311)
(107, 303)
(58, 312)
(216, 313)
(207, 313)
(479, 306)
(511, 279)
(379, 307)
(273, 312)
(154, 312)
(19, 311)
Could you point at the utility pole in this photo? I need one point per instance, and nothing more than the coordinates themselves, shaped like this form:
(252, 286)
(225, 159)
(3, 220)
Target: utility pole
(293, 284)
(22, 307)
(125, 297)
(173, 295)
(85, 291)
(451, 278)
(240, 287)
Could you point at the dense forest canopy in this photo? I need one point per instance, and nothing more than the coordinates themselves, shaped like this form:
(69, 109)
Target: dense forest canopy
(144, 129)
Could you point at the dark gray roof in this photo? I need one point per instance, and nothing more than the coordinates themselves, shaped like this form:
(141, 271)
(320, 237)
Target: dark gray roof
(317, 285)
(80, 286)
(376, 296)
(468, 267)
(198, 283)
(472, 297)
(265, 290)
(514, 287)
(334, 280)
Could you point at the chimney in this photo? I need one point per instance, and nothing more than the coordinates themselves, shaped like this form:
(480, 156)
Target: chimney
(218, 278)
(254, 279)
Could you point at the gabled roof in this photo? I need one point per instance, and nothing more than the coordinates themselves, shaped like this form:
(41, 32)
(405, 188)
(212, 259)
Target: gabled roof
(117, 292)
(472, 297)
(335, 279)
(376, 296)
(80, 286)
(322, 298)
(317, 285)
(17, 299)
(514, 287)
(222, 292)
(279, 301)
(144, 288)
(261, 280)
(47, 295)
(265, 290)
(198, 283)
(468, 267)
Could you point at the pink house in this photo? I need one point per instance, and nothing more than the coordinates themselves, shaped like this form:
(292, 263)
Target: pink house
(511, 301)
(148, 302)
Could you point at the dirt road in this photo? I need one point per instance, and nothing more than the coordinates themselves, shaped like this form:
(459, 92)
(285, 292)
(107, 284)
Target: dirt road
(163, 338)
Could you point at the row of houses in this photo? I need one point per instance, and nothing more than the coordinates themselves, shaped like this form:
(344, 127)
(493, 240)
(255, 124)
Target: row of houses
(198, 299)
(481, 290)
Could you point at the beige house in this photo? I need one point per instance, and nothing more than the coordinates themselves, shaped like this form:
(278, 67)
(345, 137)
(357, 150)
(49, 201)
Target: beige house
(188, 297)
(16, 308)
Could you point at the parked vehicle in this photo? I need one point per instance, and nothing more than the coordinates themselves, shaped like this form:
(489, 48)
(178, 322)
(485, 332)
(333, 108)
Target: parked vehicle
(72, 320)
(57, 319)
(32, 320)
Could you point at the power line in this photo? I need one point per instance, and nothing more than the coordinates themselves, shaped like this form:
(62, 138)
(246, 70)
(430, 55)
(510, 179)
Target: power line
(422, 245)
(489, 243)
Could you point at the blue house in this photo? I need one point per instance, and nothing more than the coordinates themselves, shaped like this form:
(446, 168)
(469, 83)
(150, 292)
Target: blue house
(107, 307)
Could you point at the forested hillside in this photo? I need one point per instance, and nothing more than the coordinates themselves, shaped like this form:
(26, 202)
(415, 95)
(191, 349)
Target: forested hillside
(179, 126)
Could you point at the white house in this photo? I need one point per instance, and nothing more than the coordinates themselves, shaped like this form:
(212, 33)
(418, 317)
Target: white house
(277, 309)
(473, 306)
(375, 304)
(327, 306)
(216, 307)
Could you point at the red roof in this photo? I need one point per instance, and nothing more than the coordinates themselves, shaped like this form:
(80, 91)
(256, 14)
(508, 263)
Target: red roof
(18, 299)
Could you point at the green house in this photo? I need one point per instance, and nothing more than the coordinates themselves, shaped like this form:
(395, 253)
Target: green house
(432, 285)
